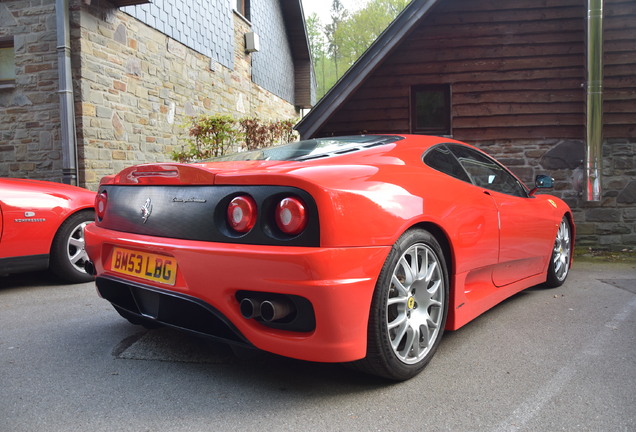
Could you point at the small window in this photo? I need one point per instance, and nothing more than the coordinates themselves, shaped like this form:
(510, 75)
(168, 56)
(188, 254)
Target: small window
(430, 110)
(243, 7)
(7, 63)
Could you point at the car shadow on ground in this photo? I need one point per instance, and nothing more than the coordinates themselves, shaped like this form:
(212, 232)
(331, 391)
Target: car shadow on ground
(176, 346)
(20, 280)
(251, 365)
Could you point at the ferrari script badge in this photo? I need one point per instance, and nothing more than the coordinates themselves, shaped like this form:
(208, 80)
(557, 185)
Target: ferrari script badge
(146, 209)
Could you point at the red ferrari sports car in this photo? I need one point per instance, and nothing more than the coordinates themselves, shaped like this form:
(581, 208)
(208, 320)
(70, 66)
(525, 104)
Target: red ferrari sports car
(349, 249)
(42, 226)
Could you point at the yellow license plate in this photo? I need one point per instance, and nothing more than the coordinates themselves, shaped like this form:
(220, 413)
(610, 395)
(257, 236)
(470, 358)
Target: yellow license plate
(152, 267)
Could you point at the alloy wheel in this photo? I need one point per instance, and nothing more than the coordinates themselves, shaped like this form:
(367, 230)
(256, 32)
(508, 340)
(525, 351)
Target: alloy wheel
(415, 303)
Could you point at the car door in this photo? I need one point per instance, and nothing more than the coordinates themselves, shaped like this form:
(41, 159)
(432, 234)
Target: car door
(473, 225)
(29, 221)
(523, 249)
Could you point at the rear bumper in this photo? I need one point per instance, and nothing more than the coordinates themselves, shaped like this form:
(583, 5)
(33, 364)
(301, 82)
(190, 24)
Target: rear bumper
(337, 282)
(167, 307)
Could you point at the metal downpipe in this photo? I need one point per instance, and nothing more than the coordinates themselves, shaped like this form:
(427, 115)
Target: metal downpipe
(67, 109)
(594, 102)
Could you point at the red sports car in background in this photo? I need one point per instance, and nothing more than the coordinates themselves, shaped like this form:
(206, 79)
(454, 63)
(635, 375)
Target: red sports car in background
(348, 249)
(42, 227)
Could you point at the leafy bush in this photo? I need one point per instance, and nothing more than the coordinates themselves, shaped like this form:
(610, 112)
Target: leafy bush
(257, 134)
(213, 136)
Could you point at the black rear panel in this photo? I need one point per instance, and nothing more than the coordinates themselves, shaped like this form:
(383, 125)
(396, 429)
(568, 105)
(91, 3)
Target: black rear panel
(199, 213)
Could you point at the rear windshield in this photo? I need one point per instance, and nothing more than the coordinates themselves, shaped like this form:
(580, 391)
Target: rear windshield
(312, 149)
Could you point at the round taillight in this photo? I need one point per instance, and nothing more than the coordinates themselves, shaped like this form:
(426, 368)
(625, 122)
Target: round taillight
(241, 213)
(291, 216)
(100, 204)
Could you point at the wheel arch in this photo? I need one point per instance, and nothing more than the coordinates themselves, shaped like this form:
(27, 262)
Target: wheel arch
(67, 217)
(570, 218)
(444, 241)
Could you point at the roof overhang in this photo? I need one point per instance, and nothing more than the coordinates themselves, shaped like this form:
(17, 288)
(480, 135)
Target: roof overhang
(294, 18)
(121, 3)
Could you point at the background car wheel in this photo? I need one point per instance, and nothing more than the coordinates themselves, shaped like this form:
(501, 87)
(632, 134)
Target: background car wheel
(409, 308)
(68, 255)
(559, 266)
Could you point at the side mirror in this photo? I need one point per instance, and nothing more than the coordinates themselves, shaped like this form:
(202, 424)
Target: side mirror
(542, 182)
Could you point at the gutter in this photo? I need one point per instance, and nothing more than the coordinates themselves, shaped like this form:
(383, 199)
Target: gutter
(594, 102)
(65, 86)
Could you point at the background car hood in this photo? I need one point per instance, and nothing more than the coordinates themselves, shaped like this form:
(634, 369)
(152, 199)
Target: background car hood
(46, 187)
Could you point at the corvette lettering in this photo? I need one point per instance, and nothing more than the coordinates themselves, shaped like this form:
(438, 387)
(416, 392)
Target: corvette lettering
(30, 220)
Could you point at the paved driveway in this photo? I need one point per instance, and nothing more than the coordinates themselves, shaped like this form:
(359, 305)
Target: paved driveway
(544, 360)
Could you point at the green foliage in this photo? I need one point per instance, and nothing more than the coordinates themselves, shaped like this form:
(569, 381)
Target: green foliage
(358, 32)
(257, 134)
(213, 136)
(338, 44)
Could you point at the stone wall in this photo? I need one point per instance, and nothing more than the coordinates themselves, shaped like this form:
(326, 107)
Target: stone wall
(137, 87)
(607, 225)
(611, 223)
(30, 143)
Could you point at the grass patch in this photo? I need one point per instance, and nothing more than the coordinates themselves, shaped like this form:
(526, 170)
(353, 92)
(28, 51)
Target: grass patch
(591, 254)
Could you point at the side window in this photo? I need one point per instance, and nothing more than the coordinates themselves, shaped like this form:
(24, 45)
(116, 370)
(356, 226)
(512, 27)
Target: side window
(485, 172)
(441, 159)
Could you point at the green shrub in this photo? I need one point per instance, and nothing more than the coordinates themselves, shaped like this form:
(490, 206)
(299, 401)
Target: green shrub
(212, 136)
(257, 134)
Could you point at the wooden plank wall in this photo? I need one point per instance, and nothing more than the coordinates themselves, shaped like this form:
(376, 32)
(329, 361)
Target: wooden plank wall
(619, 59)
(516, 70)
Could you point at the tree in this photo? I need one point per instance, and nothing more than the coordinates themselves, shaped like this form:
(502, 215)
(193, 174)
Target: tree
(337, 45)
(318, 46)
(338, 15)
(363, 27)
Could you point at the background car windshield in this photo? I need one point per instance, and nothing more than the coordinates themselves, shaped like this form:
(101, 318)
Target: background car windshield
(311, 149)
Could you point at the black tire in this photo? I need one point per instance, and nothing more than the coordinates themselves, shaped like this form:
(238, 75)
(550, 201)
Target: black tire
(68, 256)
(559, 265)
(408, 311)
